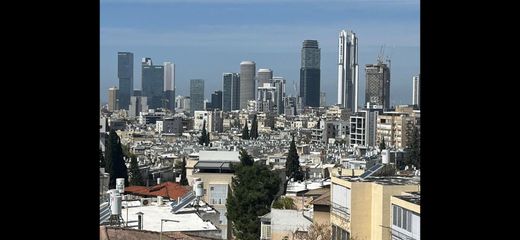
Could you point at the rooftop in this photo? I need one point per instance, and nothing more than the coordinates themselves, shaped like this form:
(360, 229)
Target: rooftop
(167, 190)
(225, 156)
(384, 180)
(412, 197)
(152, 215)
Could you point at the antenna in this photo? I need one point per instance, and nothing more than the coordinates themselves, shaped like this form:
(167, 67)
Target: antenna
(381, 55)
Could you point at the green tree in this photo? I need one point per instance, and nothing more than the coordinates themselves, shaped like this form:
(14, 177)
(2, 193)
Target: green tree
(382, 145)
(203, 139)
(184, 180)
(245, 158)
(413, 156)
(136, 178)
(284, 203)
(292, 163)
(254, 128)
(102, 162)
(115, 163)
(245, 132)
(253, 188)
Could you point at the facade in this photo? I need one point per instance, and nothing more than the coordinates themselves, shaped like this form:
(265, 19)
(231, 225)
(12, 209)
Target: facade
(182, 103)
(170, 125)
(230, 91)
(125, 73)
(348, 70)
(281, 224)
(153, 82)
(137, 104)
(264, 76)
(216, 100)
(394, 127)
(406, 216)
(377, 91)
(169, 86)
(363, 125)
(214, 120)
(112, 99)
(279, 94)
(196, 95)
(361, 208)
(247, 83)
(416, 91)
(217, 181)
(323, 99)
(335, 130)
(310, 73)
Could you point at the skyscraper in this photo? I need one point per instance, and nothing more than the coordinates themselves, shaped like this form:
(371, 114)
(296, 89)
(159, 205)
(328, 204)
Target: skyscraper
(112, 99)
(230, 92)
(125, 73)
(196, 95)
(153, 83)
(264, 76)
(310, 73)
(377, 90)
(247, 82)
(348, 70)
(216, 100)
(279, 94)
(169, 86)
(416, 91)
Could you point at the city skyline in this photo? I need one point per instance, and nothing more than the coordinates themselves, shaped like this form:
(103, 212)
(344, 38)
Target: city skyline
(273, 41)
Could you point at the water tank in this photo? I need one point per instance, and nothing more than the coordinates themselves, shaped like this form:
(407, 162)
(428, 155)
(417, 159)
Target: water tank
(199, 190)
(120, 185)
(115, 205)
(385, 154)
(158, 180)
(194, 185)
(159, 200)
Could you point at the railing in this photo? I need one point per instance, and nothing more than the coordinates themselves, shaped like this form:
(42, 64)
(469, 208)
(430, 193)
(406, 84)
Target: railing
(399, 235)
(341, 211)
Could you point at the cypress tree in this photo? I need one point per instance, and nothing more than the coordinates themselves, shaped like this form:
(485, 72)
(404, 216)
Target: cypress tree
(184, 180)
(254, 128)
(115, 163)
(292, 163)
(202, 138)
(245, 132)
(102, 162)
(136, 177)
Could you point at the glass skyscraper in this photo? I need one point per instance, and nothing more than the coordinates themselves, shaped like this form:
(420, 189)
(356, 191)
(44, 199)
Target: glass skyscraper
(348, 76)
(310, 73)
(230, 92)
(125, 73)
(153, 83)
(197, 95)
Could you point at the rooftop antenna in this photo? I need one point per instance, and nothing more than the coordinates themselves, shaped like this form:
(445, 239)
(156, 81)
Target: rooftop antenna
(381, 55)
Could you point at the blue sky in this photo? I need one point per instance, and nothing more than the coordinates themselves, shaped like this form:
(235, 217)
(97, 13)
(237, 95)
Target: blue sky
(205, 38)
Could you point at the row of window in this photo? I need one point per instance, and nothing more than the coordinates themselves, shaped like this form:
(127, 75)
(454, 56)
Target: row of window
(339, 233)
(402, 218)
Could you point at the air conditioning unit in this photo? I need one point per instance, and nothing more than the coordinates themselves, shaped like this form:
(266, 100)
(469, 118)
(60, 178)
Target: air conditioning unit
(146, 201)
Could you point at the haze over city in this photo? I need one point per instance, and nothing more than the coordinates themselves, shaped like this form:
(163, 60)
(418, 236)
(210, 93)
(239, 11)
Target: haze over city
(207, 38)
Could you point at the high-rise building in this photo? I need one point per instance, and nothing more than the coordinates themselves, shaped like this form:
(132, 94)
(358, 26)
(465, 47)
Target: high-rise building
(153, 83)
(182, 103)
(137, 92)
(377, 91)
(247, 83)
(230, 92)
(263, 76)
(137, 104)
(323, 99)
(265, 101)
(196, 95)
(279, 94)
(310, 73)
(348, 70)
(216, 100)
(112, 99)
(125, 73)
(416, 91)
(169, 86)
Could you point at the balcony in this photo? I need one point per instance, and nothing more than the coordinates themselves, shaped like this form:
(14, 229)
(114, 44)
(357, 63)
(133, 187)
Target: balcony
(401, 236)
(341, 211)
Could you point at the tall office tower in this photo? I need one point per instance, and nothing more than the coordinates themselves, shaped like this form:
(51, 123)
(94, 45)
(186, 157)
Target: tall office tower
(112, 99)
(310, 74)
(169, 86)
(153, 83)
(247, 82)
(137, 92)
(216, 100)
(125, 73)
(137, 104)
(377, 91)
(263, 76)
(416, 91)
(279, 94)
(323, 99)
(348, 70)
(230, 92)
(196, 95)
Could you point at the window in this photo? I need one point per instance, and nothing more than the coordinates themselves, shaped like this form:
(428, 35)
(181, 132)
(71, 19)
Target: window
(218, 193)
(266, 231)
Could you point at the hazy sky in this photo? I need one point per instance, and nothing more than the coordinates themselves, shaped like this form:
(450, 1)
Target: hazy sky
(205, 38)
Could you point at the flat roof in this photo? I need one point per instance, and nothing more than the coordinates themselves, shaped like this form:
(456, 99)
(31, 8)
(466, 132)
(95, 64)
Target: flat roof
(384, 180)
(414, 197)
(152, 215)
(223, 156)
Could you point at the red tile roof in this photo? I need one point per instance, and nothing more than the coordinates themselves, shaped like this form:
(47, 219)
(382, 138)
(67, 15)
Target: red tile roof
(170, 190)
